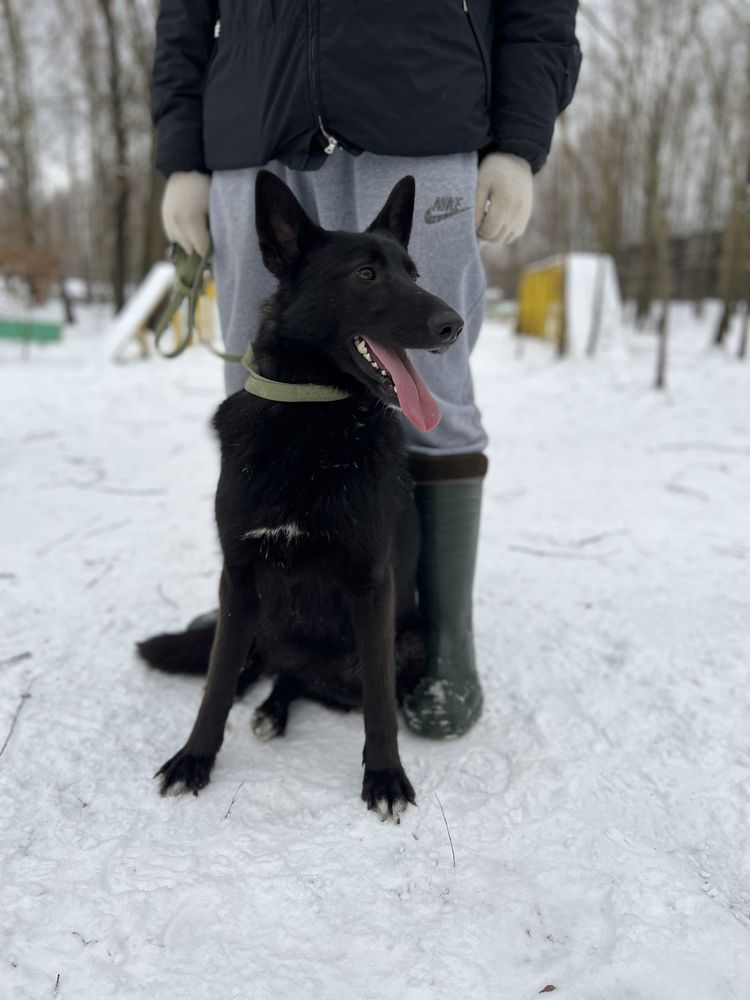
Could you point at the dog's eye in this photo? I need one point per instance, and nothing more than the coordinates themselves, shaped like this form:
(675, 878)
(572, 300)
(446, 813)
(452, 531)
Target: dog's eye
(366, 273)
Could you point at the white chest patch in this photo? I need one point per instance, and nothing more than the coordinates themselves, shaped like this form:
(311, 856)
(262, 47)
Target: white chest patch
(286, 531)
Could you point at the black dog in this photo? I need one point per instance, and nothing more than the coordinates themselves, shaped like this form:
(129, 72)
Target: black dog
(314, 503)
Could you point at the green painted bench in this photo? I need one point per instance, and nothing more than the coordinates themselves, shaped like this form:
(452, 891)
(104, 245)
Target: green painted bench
(30, 330)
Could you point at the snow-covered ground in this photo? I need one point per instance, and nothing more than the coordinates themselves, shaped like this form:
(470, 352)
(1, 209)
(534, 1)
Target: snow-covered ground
(599, 812)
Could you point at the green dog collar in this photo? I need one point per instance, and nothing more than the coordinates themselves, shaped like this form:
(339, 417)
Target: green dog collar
(287, 392)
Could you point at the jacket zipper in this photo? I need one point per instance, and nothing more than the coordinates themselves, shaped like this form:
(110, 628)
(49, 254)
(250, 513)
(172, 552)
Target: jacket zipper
(332, 143)
(480, 50)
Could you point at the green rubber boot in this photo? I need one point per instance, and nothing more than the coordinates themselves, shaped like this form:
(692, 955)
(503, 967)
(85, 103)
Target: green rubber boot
(448, 701)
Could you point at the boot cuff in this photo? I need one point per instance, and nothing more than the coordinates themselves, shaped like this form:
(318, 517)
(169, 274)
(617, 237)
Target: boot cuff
(447, 468)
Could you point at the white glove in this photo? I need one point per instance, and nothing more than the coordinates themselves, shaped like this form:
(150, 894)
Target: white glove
(184, 210)
(505, 182)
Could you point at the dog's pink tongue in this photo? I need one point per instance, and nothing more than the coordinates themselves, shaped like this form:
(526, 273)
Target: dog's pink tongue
(415, 399)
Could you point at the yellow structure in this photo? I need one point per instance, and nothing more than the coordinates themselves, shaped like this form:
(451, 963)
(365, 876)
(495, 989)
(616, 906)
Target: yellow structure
(541, 301)
(205, 317)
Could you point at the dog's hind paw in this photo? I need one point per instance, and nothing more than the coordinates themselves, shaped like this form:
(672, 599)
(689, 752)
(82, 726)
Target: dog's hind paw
(185, 772)
(387, 793)
(267, 724)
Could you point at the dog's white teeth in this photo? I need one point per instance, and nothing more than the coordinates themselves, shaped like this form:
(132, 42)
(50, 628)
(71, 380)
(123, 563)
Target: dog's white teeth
(363, 349)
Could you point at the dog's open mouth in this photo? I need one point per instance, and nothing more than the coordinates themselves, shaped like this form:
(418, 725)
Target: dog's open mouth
(393, 366)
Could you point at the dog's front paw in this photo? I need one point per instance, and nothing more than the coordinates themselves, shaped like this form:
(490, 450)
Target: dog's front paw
(185, 772)
(387, 792)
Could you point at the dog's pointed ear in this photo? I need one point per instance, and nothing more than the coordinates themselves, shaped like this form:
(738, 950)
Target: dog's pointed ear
(285, 230)
(396, 215)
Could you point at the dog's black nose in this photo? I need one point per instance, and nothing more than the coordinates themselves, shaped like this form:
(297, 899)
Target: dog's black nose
(446, 326)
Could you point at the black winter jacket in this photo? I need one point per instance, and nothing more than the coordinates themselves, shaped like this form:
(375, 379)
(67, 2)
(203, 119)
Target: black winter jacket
(240, 82)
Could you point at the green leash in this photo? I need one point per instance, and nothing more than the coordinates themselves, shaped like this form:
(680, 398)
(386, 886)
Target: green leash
(189, 282)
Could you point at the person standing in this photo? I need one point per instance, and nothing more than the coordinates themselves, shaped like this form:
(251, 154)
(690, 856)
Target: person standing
(342, 98)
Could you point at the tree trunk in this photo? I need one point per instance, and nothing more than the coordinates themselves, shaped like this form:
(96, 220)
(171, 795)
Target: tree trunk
(120, 182)
(19, 146)
(66, 302)
(96, 249)
(727, 267)
(742, 350)
(649, 250)
(664, 274)
(154, 240)
(725, 321)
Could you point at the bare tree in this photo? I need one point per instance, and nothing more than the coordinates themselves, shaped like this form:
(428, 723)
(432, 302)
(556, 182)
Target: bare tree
(735, 257)
(120, 180)
(141, 18)
(744, 334)
(17, 142)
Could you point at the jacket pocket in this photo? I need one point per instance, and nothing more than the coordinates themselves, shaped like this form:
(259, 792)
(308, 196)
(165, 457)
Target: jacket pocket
(570, 80)
(210, 64)
(480, 51)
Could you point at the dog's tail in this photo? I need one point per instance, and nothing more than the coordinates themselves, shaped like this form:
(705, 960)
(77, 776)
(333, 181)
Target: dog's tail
(179, 652)
(188, 652)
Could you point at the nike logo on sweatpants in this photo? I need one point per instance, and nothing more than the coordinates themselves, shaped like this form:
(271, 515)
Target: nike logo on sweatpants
(444, 207)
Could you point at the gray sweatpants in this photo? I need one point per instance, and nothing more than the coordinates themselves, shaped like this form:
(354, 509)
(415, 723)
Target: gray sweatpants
(347, 193)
